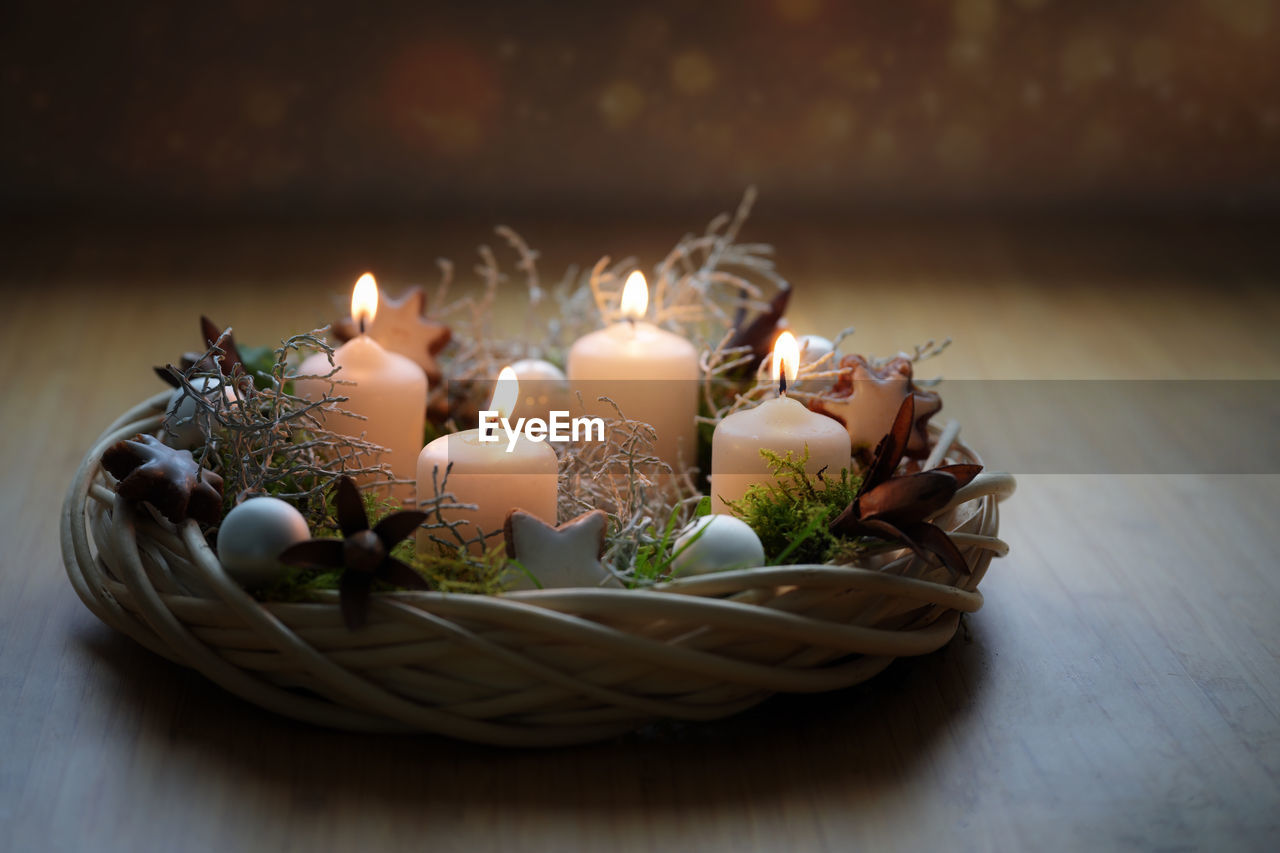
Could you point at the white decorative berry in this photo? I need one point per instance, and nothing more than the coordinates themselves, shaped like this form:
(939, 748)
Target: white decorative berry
(252, 536)
(726, 543)
(181, 430)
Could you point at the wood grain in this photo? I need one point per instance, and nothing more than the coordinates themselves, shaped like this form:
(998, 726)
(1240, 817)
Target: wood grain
(1120, 689)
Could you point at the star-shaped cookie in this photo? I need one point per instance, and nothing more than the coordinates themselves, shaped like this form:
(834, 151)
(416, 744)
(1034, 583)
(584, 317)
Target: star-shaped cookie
(866, 399)
(402, 327)
(564, 556)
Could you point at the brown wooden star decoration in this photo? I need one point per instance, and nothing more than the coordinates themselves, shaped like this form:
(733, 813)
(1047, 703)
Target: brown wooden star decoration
(168, 479)
(364, 554)
(401, 325)
(230, 363)
(896, 508)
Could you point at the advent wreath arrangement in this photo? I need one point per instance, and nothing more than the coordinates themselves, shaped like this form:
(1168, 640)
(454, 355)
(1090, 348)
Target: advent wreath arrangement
(407, 521)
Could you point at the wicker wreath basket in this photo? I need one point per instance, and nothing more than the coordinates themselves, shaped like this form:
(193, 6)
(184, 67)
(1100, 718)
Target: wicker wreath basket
(533, 668)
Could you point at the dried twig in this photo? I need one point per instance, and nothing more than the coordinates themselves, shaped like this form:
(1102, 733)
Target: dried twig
(623, 477)
(269, 441)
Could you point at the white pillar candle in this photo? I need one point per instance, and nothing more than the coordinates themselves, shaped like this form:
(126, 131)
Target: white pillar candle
(780, 425)
(389, 390)
(495, 476)
(649, 372)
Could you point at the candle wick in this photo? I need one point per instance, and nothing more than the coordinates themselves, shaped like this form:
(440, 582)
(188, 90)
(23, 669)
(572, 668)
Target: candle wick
(361, 321)
(782, 383)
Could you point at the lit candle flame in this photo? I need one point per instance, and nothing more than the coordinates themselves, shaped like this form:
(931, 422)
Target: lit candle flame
(364, 301)
(506, 393)
(786, 360)
(635, 296)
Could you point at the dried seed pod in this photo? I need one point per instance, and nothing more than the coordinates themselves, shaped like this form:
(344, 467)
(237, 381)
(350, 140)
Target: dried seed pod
(896, 508)
(363, 552)
(908, 498)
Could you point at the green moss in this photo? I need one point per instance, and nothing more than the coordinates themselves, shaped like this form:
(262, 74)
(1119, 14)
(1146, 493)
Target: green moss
(299, 584)
(791, 514)
(455, 569)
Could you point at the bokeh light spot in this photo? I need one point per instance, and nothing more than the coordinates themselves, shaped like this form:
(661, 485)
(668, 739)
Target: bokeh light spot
(1101, 145)
(265, 107)
(444, 94)
(974, 18)
(1085, 60)
(1032, 94)
(620, 104)
(1151, 61)
(1248, 18)
(692, 73)
(829, 121)
(960, 148)
(797, 11)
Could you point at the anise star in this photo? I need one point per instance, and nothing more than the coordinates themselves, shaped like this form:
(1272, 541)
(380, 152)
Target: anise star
(168, 479)
(896, 508)
(363, 553)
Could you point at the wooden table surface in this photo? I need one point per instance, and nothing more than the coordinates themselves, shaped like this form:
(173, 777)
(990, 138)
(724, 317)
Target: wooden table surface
(1120, 689)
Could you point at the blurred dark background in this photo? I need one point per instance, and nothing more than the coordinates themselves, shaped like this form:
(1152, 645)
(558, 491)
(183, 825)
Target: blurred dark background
(299, 111)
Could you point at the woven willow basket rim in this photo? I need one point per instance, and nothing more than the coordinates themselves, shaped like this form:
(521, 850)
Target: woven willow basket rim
(528, 668)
